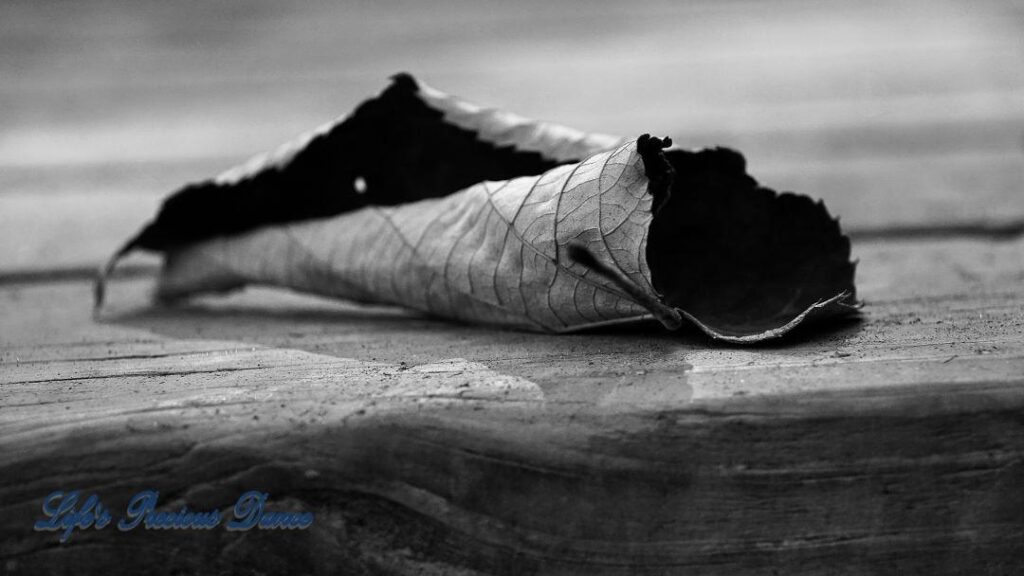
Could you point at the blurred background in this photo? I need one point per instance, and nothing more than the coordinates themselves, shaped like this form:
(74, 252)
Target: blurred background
(905, 117)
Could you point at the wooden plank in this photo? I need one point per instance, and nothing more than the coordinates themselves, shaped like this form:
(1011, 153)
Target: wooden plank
(924, 295)
(894, 443)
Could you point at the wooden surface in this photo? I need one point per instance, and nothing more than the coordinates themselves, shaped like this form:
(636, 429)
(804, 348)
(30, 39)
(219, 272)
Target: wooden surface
(892, 444)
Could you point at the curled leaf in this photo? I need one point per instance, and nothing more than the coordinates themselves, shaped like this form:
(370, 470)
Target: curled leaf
(629, 233)
(741, 261)
(496, 252)
(409, 143)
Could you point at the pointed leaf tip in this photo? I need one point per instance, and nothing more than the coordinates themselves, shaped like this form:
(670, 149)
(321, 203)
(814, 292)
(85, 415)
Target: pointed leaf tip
(405, 81)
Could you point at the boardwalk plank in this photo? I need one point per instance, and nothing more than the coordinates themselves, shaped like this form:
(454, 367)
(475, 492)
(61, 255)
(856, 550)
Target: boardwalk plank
(896, 440)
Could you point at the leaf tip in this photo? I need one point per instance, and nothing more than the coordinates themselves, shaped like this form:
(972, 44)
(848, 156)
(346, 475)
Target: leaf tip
(404, 80)
(99, 286)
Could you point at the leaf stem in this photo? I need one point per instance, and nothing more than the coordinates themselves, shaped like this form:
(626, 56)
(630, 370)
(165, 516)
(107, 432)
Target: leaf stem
(668, 316)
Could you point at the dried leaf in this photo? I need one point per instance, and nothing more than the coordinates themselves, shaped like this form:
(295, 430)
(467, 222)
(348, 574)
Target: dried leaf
(409, 143)
(741, 261)
(630, 233)
(494, 253)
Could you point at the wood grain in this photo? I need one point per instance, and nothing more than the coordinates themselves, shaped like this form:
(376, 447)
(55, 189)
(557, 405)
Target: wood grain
(890, 444)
